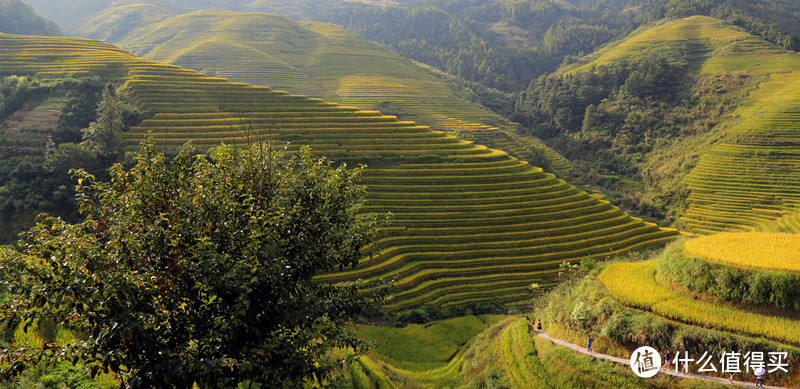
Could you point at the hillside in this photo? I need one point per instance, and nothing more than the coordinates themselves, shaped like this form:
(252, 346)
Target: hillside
(710, 296)
(471, 224)
(689, 109)
(16, 17)
(68, 15)
(319, 60)
(484, 351)
(117, 20)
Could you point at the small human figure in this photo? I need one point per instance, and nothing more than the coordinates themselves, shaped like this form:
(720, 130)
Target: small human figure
(760, 377)
(589, 341)
(668, 359)
(539, 325)
(730, 379)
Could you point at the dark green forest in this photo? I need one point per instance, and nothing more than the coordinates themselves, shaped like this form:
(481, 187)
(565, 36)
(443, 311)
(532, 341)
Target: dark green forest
(506, 44)
(32, 182)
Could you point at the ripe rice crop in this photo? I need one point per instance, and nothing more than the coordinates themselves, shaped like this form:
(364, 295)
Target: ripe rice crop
(635, 285)
(750, 250)
(471, 223)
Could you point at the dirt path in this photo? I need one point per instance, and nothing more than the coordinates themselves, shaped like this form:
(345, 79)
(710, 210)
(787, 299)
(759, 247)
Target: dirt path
(582, 349)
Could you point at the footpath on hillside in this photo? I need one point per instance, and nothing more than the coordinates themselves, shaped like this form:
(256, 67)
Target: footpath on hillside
(582, 350)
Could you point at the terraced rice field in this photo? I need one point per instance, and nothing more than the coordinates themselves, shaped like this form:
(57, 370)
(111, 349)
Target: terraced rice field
(323, 61)
(746, 175)
(753, 178)
(471, 225)
(26, 130)
(749, 177)
(788, 223)
(649, 294)
(721, 48)
(749, 250)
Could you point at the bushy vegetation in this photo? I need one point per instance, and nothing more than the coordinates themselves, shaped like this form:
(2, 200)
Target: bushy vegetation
(743, 284)
(197, 269)
(36, 178)
(14, 91)
(505, 44)
(636, 124)
(466, 38)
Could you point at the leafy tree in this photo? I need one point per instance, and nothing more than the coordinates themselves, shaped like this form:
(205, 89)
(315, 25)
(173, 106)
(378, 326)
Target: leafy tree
(14, 91)
(198, 269)
(80, 111)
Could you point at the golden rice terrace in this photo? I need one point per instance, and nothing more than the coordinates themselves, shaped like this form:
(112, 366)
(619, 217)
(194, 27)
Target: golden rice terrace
(470, 224)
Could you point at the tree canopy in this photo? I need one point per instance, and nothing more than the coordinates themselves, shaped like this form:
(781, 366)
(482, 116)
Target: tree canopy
(197, 269)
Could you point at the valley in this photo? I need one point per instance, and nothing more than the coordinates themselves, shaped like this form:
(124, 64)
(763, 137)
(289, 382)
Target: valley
(640, 194)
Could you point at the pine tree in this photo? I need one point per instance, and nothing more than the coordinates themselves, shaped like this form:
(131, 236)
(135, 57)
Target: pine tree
(104, 135)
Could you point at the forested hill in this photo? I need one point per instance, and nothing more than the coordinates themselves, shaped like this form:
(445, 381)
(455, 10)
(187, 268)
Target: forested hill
(17, 17)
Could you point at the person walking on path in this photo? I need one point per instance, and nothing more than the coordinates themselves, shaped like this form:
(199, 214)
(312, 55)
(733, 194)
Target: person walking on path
(760, 377)
(589, 341)
(539, 325)
(668, 359)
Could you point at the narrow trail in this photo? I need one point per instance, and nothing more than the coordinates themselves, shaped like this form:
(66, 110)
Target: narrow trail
(582, 349)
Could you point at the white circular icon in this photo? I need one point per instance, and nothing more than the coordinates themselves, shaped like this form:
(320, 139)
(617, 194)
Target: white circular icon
(645, 362)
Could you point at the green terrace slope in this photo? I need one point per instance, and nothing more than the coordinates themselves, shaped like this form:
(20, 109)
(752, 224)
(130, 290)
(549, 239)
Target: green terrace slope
(320, 60)
(745, 173)
(471, 224)
(26, 131)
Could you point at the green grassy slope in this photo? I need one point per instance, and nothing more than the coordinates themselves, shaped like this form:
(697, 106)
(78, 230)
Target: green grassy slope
(505, 354)
(471, 224)
(742, 174)
(319, 60)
